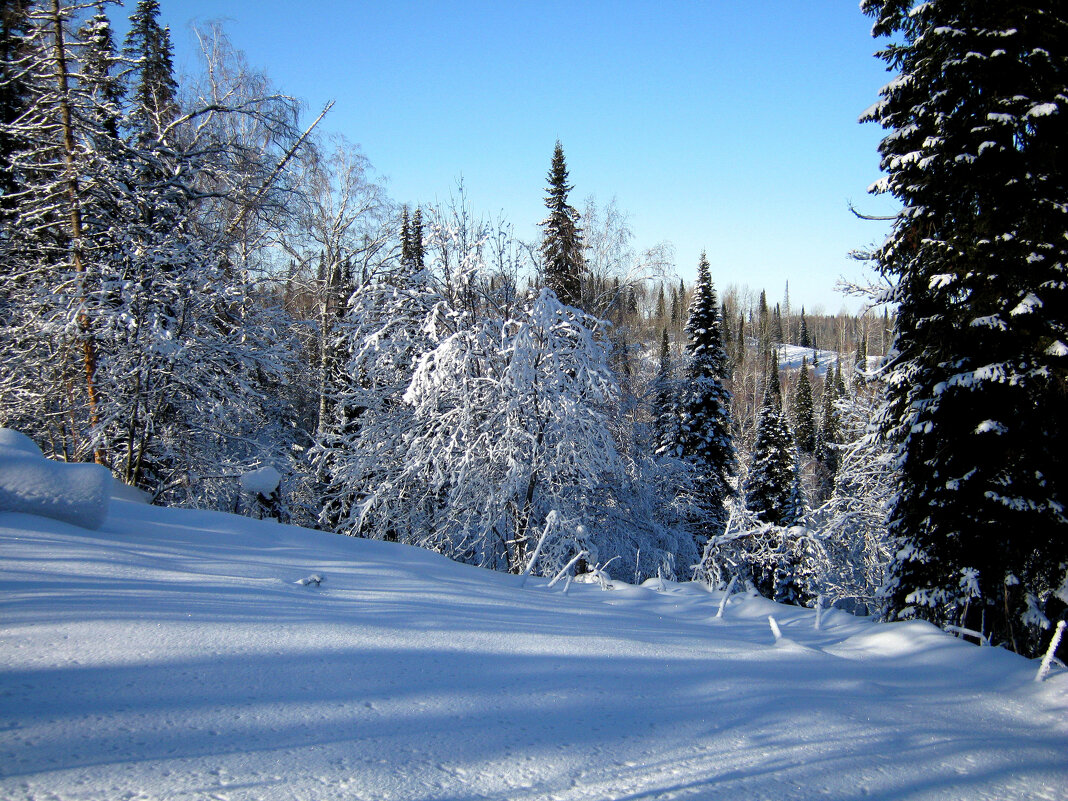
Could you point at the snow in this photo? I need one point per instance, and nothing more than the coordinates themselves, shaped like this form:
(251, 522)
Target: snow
(176, 653)
(790, 357)
(262, 481)
(30, 483)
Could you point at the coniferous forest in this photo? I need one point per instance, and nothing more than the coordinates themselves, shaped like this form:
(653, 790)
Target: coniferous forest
(212, 297)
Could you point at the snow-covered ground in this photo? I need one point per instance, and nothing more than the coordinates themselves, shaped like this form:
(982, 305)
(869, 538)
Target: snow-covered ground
(174, 654)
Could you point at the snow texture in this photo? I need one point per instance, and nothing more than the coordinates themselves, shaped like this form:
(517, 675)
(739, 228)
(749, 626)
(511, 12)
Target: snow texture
(173, 654)
(263, 481)
(32, 484)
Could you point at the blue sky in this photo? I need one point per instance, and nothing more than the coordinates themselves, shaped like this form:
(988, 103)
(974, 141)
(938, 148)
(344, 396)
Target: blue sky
(720, 126)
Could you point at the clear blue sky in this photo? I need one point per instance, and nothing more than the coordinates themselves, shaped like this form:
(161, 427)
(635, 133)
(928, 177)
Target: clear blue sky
(721, 126)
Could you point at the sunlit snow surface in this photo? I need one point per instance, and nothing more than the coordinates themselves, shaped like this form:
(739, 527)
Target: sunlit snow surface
(171, 655)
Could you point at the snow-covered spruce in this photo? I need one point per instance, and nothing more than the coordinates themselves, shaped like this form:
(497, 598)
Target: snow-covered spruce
(977, 138)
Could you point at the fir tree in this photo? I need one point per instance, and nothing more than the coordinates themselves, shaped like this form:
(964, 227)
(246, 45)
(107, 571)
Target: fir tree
(771, 475)
(828, 437)
(416, 247)
(406, 237)
(14, 90)
(706, 405)
(803, 338)
(839, 381)
(561, 247)
(804, 414)
(155, 90)
(976, 154)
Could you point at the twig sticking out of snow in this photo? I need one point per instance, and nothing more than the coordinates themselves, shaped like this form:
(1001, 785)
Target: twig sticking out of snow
(313, 580)
(726, 595)
(774, 628)
(1043, 669)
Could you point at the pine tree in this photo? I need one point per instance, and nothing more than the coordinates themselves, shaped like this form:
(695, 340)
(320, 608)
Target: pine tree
(804, 414)
(561, 246)
(771, 475)
(706, 405)
(976, 154)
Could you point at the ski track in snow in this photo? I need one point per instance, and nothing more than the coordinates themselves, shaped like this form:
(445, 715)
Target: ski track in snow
(171, 655)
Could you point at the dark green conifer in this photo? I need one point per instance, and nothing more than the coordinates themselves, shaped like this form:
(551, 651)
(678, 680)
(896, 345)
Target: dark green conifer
(771, 475)
(155, 90)
(976, 154)
(804, 413)
(706, 406)
(561, 247)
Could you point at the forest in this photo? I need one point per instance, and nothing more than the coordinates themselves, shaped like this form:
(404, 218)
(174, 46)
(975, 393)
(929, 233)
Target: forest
(208, 294)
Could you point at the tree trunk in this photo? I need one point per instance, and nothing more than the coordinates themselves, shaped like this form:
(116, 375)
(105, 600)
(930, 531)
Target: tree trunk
(75, 218)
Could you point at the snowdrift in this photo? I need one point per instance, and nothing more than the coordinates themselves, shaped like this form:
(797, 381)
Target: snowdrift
(30, 483)
(186, 654)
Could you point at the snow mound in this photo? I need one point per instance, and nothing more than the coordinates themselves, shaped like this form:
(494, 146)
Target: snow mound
(30, 483)
(11, 440)
(263, 481)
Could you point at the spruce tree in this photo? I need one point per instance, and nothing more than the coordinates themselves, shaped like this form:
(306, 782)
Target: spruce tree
(804, 414)
(976, 153)
(771, 475)
(706, 406)
(14, 92)
(406, 237)
(416, 247)
(155, 90)
(803, 338)
(561, 247)
(828, 437)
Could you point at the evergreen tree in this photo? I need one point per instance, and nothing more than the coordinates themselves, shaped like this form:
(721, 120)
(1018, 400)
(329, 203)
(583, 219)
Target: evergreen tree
(416, 246)
(155, 90)
(771, 474)
(100, 72)
(976, 391)
(561, 246)
(860, 363)
(776, 326)
(803, 338)
(667, 413)
(839, 381)
(14, 91)
(804, 414)
(828, 437)
(406, 237)
(706, 405)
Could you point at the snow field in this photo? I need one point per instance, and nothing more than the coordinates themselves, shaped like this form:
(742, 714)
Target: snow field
(170, 654)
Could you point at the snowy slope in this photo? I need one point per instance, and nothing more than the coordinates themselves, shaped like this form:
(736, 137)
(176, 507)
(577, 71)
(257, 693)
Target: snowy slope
(171, 654)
